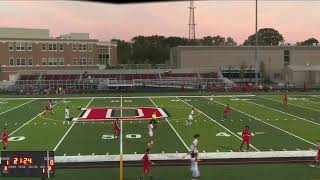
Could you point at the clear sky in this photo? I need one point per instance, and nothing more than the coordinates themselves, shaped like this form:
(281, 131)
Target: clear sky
(296, 20)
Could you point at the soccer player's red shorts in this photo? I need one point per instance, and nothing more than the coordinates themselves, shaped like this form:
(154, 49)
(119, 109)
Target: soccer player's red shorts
(116, 130)
(146, 168)
(5, 142)
(246, 141)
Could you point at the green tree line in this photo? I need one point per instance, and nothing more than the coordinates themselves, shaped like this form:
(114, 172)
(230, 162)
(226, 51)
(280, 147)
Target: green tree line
(156, 49)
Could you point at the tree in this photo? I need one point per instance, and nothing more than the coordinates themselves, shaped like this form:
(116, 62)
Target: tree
(308, 42)
(123, 51)
(266, 37)
(219, 41)
(230, 42)
(263, 72)
(243, 68)
(207, 41)
(176, 41)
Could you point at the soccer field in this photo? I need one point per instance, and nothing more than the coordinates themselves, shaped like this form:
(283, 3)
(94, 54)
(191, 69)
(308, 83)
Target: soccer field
(277, 127)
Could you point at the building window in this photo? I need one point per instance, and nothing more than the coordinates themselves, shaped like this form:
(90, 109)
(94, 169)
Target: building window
(52, 47)
(90, 61)
(60, 47)
(90, 47)
(74, 61)
(43, 46)
(20, 46)
(61, 61)
(11, 62)
(84, 47)
(82, 61)
(29, 45)
(286, 58)
(11, 46)
(23, 61)
(55, 61)
(80, 47)
(29, 61)
(74, 47)
(44, 61)
(50, 62)
(18, 62)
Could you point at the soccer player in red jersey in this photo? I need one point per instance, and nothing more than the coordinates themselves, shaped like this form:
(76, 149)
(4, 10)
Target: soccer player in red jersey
(116, 129)
(49, 107)
(246, 137)
(226, 111)
(285, 97)
(146, 165)
(4, 137)
(316, 162)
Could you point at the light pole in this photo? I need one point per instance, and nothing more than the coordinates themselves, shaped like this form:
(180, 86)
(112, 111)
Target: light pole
(256, 52)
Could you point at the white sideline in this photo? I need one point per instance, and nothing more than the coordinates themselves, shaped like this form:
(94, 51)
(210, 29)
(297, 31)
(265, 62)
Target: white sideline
(135, 97)
(216, 122)
(73, 123)
(289, 104)
(184, 143)
(284, 113)
(179, 156)
(163, 114)
(270, 125)
(30, 121)
(17, 106)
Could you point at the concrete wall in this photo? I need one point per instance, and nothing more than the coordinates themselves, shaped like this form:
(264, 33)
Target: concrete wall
(217, 57)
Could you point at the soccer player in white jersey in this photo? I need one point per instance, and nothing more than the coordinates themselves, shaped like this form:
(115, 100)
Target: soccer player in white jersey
(150, 132)
(210, 100)
(193, 146)
(190, 117)
(194, 166)
(66, 115)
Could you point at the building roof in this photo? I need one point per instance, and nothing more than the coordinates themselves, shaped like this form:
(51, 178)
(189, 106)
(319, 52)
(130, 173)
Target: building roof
(7, 32)
(290, 47)
(304, 67)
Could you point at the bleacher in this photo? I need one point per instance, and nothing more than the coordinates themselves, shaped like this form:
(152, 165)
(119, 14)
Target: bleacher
(112, 78)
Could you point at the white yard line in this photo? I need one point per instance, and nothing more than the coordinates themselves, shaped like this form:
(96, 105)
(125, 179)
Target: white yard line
(30, 121)
(121, 128)
(290, 104)
(185, 145)
(17, 106)
(138, 97)
(284, 113)
(270, 125)
(74, 122)
(216, 122)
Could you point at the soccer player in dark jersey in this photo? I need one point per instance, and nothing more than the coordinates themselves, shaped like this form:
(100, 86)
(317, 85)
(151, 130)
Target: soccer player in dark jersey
(146, 165)
(4, 138)
(246, 137)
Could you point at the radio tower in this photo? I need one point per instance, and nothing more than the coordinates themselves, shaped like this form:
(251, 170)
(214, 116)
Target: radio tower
(192, 25)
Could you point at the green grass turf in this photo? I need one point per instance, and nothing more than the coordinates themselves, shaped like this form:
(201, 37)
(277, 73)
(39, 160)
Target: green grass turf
(45, 132)
(6, 105)
(270, 138)
(202, 125)
(225, 172)
(303, 129)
